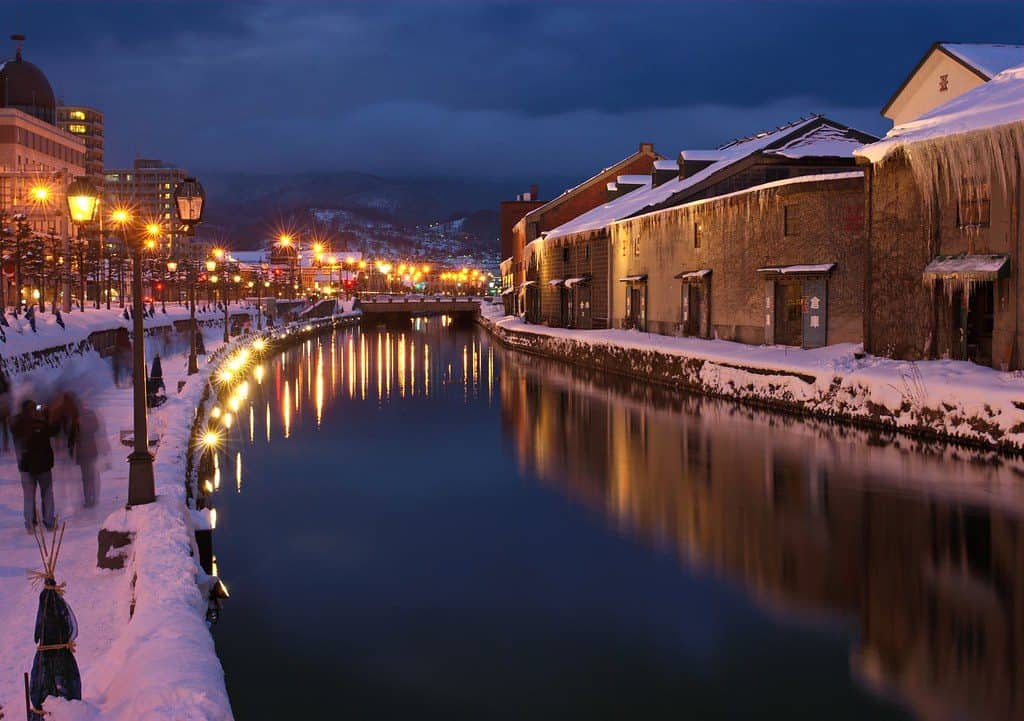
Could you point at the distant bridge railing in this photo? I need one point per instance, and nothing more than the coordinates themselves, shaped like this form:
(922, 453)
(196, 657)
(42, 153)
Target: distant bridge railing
(386, 303)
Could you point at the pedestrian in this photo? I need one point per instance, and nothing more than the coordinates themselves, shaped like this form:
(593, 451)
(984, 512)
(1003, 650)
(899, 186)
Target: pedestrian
(30, 315)
(6, 409)
(91, 444)
(64, 412)
(32, 430)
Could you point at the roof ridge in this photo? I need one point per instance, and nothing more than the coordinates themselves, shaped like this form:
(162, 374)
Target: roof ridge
(765, 133)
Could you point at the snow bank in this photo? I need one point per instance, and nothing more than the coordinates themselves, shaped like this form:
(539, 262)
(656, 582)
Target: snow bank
(951, 399)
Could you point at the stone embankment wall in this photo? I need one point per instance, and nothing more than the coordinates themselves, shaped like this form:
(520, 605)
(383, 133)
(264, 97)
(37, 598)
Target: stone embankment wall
(895, 402)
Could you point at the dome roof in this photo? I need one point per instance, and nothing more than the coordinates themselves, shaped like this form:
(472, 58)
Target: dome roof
(23, 86)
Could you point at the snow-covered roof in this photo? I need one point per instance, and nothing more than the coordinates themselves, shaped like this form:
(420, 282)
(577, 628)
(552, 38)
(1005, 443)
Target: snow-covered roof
(633, 179)
(643, 198)
(612, 187)
(565, 194)
(998, 102)
(556, 281)
(570, 282)
(968, 267)
(633, 278)
(602, 215)
(798, 269)
(826, 141)
(672, 165)
(248, 256)
(705, 155)
(694, 274)
(988, 58)
(646, 197)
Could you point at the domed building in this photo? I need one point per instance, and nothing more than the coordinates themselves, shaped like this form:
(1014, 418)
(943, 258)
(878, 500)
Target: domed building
(24, 87)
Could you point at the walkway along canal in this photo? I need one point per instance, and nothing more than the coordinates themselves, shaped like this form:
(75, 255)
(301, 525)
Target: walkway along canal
(416, 523)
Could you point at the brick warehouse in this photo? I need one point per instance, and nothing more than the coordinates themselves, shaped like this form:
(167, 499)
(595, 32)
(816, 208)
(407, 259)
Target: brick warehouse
(575, 201)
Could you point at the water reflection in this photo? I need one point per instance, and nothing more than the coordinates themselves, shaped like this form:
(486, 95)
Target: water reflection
(920, 548)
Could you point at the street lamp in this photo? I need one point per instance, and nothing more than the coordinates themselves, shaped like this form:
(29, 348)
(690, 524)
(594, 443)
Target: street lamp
(189, 203)
(211, 265)
(83, 201)
(141, 484)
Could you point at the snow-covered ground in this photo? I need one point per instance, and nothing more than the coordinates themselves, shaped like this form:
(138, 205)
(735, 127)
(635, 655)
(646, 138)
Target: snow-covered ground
(158, 663)
(115, 682)
(953, 398)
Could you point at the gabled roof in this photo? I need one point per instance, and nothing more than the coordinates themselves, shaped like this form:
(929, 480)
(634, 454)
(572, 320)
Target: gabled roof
(986, 60)
(796, 139)
(602, 215)
(998, 102)
(605, 176)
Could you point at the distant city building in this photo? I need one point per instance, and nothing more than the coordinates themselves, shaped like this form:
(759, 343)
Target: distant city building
(148, 189)
(87, 124)
(38, 160)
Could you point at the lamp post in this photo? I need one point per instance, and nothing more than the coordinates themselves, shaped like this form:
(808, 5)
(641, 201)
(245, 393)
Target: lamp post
(83, 201)
(189, 203)
(141, 484)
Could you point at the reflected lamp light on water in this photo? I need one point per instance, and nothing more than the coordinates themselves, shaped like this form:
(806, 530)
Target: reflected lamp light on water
(215, 412)
(226, 420)
(259, 345)
(210, 440)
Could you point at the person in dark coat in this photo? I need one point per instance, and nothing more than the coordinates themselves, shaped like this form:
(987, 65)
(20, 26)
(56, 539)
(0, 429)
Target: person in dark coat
(32, 431)
(91, 444)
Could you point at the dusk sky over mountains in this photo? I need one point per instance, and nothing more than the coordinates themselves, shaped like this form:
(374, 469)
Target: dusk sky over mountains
(475, 89)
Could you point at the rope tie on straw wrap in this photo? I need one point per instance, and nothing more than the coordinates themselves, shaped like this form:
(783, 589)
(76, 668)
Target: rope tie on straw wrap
(37, 577)
(70, 646)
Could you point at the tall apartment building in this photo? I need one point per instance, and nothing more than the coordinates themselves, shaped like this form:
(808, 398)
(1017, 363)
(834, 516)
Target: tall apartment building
(148, 189)
(87, 124)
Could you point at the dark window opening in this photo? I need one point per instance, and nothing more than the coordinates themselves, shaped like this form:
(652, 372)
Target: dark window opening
(788, 220)
(696, 235)
(974, 208)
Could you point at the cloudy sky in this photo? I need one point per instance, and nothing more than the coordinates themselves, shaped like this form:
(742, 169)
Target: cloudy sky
(476, 88)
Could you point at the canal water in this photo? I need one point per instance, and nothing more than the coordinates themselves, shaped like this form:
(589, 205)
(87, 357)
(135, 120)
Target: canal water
(417, 524)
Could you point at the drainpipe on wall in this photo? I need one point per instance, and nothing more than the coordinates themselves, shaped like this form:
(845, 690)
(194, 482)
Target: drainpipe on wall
(869, 187)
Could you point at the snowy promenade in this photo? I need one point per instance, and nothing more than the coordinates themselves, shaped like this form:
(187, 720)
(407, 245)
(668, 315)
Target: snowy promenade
(163, 664)
(948, 398)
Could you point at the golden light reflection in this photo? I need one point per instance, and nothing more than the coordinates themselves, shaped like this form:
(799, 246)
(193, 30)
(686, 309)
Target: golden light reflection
(351, 367)
(380, 367)
(401, 365)
(238, 472)
(286, 410)
(319, 389)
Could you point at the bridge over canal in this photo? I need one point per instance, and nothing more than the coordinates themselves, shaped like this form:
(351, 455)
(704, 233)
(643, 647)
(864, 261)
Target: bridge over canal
(385, 307)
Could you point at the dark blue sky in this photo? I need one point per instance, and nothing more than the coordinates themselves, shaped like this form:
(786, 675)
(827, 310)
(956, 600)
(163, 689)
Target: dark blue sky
(476, 88)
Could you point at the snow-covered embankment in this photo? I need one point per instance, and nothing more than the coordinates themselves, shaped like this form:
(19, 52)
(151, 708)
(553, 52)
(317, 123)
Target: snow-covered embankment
(951, 400)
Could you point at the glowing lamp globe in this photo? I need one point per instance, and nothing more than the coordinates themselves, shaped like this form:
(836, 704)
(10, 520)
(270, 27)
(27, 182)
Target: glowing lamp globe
(189, 201)
(83, 201)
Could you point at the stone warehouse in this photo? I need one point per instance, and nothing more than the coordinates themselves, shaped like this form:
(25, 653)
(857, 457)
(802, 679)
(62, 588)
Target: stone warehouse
(944, 231)
(780, 263)
(660, 256)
